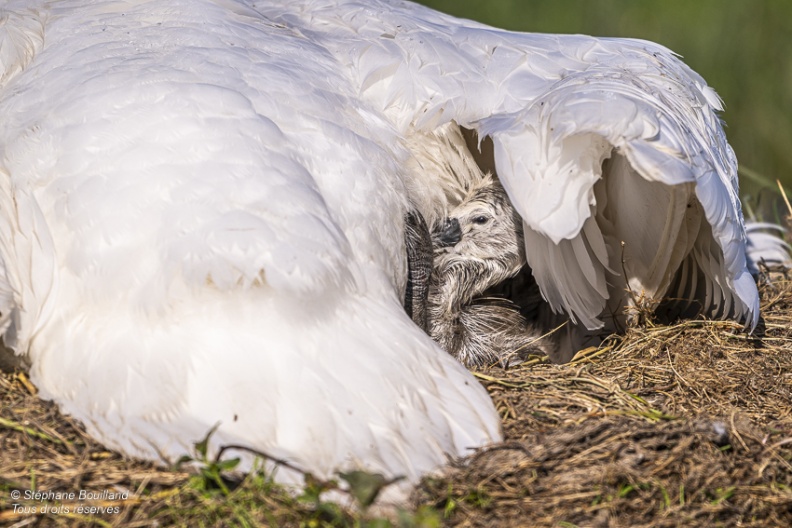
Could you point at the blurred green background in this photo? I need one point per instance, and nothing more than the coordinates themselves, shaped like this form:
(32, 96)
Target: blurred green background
(743, 48)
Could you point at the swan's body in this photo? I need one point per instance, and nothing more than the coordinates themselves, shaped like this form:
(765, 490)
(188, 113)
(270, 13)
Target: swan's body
(194, 235)
(202, 204)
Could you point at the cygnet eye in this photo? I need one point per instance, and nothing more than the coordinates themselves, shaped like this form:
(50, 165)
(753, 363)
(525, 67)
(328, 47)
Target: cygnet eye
(481, 219)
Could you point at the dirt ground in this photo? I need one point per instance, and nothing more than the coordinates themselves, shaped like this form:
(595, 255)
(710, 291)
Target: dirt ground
(685, 425)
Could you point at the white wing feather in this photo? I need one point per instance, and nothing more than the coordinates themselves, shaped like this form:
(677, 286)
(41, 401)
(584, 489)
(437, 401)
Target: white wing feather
(21, 35)
(556, 107)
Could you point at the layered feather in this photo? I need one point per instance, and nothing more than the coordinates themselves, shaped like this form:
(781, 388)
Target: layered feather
(202, 224)
(556, 108)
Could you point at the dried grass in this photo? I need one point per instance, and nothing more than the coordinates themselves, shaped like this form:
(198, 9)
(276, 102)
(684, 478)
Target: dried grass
(688, 424)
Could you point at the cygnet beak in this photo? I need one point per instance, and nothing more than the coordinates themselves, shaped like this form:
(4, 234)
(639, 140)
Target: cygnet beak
(450, 233)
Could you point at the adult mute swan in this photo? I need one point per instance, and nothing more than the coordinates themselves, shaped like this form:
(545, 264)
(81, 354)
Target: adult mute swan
(202, 204)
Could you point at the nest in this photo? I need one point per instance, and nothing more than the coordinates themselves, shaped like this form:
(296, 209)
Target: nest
(684, 425)
(689, 424)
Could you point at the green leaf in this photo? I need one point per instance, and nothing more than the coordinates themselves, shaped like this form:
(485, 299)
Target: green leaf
(227, 465)
(202, 447)
(365, 487)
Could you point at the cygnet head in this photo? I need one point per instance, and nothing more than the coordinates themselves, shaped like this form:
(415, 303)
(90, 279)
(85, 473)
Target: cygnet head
(484, 226)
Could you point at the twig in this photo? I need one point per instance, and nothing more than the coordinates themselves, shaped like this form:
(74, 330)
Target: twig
(8, 424)
(262, 454)
(783, 194)
(780, 443)
(736, 432)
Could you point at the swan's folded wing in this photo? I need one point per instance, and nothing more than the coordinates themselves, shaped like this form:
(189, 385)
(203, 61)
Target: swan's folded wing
(661, 119)
(556, 107)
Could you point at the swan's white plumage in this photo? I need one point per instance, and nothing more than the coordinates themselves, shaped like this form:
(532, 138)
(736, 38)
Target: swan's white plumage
(201, 224)
(202, 202)
(555, 107)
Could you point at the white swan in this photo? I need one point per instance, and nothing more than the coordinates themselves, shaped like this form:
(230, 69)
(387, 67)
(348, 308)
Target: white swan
(202, 203)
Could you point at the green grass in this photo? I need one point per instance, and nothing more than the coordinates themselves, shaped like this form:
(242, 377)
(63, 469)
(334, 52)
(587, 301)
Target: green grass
(740, 47)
